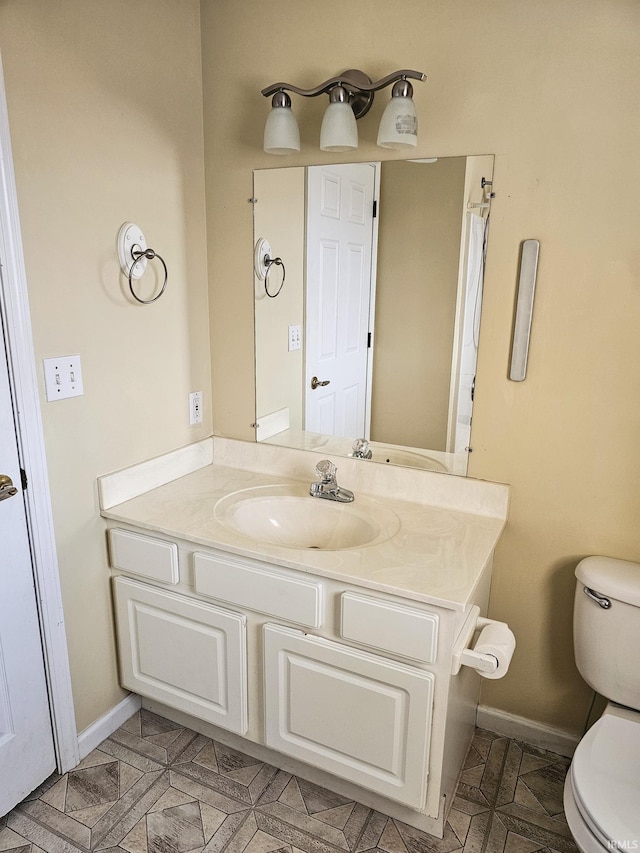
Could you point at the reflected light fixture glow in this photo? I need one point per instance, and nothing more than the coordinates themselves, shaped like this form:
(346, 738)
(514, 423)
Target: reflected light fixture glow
(350, 97)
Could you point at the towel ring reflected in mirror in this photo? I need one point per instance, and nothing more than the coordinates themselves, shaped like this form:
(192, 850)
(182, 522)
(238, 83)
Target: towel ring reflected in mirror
(263, 262)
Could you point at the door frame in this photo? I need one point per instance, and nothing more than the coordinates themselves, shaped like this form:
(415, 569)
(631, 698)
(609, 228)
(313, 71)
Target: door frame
(31, 451)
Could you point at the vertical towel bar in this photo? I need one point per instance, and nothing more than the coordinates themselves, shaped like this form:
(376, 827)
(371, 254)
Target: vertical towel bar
(524, 309)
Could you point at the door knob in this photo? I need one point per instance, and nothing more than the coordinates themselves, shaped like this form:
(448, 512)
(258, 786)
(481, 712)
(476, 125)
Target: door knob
(316, 383)
(7, 489)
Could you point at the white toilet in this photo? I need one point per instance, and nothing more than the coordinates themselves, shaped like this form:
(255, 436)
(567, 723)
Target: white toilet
(602, 788)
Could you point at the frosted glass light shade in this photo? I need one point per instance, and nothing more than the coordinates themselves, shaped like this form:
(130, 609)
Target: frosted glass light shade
(281, 134)
(399, 124)
(338, 131)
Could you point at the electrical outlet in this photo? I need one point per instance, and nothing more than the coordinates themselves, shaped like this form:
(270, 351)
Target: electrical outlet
(63, 377)
(195, 408)
(295, 337)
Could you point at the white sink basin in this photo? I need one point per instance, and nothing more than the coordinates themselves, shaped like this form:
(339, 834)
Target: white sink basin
(287, 515)
(403, 456)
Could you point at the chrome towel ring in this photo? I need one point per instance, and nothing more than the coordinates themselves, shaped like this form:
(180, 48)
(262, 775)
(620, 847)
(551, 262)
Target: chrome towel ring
(134, 254)
(263, 261)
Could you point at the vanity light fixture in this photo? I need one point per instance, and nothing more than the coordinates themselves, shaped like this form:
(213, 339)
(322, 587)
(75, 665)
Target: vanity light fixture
(350, 97)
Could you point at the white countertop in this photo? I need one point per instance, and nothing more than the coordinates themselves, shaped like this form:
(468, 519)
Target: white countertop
(437, 556)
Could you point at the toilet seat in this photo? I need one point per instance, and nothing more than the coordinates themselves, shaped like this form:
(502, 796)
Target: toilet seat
(605, 779)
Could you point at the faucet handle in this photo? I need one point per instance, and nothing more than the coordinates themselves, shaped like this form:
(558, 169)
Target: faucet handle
(326, 470)
(361, 449)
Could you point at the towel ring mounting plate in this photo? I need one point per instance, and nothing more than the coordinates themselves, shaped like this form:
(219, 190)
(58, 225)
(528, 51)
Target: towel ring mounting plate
(263, 261)
(261, 253)
(128, 237)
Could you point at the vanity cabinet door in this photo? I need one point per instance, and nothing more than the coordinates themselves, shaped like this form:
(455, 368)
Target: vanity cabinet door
(354, 714)
(186, 653)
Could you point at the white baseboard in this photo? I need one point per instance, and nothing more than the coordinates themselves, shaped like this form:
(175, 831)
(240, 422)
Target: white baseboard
(106, 725)
(529, 731)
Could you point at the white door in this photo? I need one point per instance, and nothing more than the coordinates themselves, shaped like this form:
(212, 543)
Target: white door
(26, 739)
(357, 715)
(338, 294)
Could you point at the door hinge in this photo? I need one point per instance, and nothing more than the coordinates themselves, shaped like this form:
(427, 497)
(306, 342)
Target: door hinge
(23, 479)
(375, 208)
(368, 340)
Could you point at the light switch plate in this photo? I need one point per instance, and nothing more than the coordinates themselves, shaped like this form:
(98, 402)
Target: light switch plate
(63, 377)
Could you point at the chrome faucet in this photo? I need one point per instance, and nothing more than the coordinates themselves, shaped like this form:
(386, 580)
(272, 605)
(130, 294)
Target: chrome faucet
(327, 487)
(361, 449)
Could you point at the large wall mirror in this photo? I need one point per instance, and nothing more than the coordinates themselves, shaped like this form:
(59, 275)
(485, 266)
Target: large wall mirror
(373, 334)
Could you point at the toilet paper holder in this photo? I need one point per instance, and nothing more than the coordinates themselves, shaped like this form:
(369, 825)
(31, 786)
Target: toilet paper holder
(486, 664)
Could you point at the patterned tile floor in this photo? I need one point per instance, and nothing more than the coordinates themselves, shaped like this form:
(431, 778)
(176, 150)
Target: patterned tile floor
(156, 787)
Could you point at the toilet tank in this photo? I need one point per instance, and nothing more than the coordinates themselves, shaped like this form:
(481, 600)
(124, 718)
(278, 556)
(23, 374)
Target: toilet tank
(607, 639)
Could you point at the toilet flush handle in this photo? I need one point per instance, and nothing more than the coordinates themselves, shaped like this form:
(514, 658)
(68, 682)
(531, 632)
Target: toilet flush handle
(599, 599)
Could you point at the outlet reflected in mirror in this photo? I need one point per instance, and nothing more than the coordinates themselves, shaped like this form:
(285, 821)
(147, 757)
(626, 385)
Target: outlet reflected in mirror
(384, 266)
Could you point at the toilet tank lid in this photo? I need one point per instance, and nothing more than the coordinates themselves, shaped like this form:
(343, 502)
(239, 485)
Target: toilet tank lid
(617, 579)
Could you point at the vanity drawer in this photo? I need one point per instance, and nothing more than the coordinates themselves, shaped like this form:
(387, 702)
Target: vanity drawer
(389, 626)
(264, 590)
(144, 555)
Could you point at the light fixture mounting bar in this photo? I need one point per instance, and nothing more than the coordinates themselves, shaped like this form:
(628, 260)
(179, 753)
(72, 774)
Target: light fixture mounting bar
(353, 78)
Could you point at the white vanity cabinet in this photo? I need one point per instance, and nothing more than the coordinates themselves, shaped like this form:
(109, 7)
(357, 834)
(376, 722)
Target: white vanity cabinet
(346, 685)
(343, 666)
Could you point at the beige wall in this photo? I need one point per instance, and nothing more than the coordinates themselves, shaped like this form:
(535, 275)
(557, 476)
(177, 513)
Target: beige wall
(105, 113)
(420, 223)
(551, 89)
